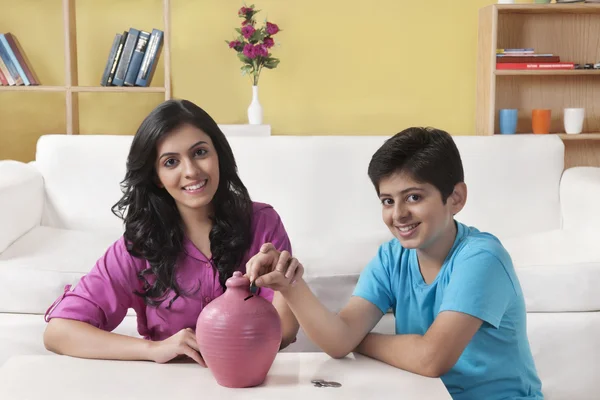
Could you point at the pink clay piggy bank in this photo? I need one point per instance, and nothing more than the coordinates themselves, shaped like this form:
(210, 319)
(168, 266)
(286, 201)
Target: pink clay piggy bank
(238, 336)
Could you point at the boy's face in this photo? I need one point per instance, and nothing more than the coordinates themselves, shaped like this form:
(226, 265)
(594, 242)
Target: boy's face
(415, 213)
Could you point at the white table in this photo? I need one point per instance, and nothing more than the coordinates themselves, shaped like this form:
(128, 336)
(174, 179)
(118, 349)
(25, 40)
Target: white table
(62, 378)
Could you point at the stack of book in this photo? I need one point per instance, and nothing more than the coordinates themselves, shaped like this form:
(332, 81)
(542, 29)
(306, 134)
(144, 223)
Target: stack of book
(529, 59)
(14, 67)
(132, 58)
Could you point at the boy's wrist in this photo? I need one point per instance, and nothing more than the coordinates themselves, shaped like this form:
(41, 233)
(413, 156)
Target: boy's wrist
(291, 291)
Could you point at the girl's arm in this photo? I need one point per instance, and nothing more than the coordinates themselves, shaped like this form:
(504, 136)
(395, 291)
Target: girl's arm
(289, 323)
(80, 339)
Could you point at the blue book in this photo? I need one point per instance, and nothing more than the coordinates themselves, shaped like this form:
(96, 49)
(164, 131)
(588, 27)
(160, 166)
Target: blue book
(150, 58)
(136, 59)
(128, 48)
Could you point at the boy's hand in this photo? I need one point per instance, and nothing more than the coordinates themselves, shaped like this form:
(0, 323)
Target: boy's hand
(273, 269)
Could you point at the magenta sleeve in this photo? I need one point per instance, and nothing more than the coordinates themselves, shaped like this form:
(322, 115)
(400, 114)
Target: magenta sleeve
(103, 296)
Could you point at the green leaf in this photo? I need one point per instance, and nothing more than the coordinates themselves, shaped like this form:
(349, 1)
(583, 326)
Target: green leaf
(238, 30)
(271, 63)
(244, 59)
(246, 69)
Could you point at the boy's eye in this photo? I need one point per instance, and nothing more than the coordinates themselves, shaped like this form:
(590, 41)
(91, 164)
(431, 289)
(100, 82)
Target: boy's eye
(387, 202)
(200, 152)
(413, 198)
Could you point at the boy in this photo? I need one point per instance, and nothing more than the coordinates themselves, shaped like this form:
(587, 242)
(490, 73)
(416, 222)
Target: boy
(460, 313)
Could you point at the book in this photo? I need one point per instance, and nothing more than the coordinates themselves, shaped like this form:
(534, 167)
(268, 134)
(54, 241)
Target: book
(9, 52)
(528, 59)
(10, 66)
(150, 60)
(535, 66)
(22, 59)
(6, 73)
(136, 59)
(126, 55)
(112, 54)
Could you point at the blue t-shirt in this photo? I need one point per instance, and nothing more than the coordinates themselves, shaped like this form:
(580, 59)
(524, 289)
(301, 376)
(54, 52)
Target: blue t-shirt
(477, 278)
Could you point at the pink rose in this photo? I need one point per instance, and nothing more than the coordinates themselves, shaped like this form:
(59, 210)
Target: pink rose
(272, 28)
(261, 50)
(244, 11)
(249, 51)
(236, 45)
(248, 31)
(269, 42)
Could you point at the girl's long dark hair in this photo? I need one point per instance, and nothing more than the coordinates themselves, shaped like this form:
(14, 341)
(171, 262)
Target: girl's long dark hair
(153, 227)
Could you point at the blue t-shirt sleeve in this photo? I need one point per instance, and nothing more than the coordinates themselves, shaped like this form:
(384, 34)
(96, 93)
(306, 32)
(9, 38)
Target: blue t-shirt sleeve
(479, 286)
(374, 283)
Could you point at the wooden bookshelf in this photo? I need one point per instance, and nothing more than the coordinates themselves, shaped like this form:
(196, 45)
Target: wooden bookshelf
(570, 31)
(72, 88)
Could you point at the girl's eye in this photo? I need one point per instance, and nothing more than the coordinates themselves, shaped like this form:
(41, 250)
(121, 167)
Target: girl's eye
(200, 152)
(387, 202)
(171, 162)
(413, 198)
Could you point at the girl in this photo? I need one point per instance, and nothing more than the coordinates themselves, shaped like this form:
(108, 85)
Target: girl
(189, 224)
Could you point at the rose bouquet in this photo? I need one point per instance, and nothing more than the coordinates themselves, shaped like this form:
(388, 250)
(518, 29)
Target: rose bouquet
(253, 44)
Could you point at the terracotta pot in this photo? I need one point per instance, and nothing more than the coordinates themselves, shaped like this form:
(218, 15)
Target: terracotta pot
(238, 335)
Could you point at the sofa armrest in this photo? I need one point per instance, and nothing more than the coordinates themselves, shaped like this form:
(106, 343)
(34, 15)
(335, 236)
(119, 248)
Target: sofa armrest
(580, 198)
(21, 200)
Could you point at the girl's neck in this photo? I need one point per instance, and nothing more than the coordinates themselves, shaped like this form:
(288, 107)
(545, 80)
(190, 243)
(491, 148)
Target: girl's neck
(196, 222)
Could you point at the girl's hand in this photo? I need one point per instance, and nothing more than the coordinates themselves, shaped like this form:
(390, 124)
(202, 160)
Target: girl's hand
(183, 343)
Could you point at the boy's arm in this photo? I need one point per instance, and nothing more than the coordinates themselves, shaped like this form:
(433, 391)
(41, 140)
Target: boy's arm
(480, 290)
(432, 354)
(335, 334)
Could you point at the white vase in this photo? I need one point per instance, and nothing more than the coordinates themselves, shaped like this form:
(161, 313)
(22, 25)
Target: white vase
(255, 111)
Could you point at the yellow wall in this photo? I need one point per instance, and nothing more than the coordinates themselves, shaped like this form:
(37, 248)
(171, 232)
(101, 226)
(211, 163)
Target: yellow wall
(346, 68)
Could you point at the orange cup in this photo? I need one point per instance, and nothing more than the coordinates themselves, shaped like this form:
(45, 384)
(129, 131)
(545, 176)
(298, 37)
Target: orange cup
(540, 121)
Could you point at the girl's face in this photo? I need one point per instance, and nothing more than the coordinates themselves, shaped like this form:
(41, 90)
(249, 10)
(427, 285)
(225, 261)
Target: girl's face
(187, 166)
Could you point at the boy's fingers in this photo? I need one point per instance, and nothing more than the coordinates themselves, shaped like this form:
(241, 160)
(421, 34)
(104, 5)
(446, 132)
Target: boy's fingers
(268, 279)
(282, 264)
(291, 270)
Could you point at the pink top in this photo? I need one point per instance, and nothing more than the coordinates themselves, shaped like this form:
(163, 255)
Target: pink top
(103, 296)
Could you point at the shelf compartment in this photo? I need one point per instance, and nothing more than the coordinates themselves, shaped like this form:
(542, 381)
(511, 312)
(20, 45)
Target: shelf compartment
(39, 88)
(128, 89)
(528, 92)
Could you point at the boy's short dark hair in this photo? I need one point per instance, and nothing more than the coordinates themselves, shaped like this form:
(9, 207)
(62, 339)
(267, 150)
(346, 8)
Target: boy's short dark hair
(428, 155)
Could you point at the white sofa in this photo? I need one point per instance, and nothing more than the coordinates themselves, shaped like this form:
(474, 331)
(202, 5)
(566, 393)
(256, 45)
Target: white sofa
(55, 221)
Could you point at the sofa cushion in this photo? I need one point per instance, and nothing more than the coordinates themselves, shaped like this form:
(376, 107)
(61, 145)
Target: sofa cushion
(35, 269)
(559, 270)
(319, 184)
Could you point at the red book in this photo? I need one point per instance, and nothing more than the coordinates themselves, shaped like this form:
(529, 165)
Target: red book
(535, 66)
